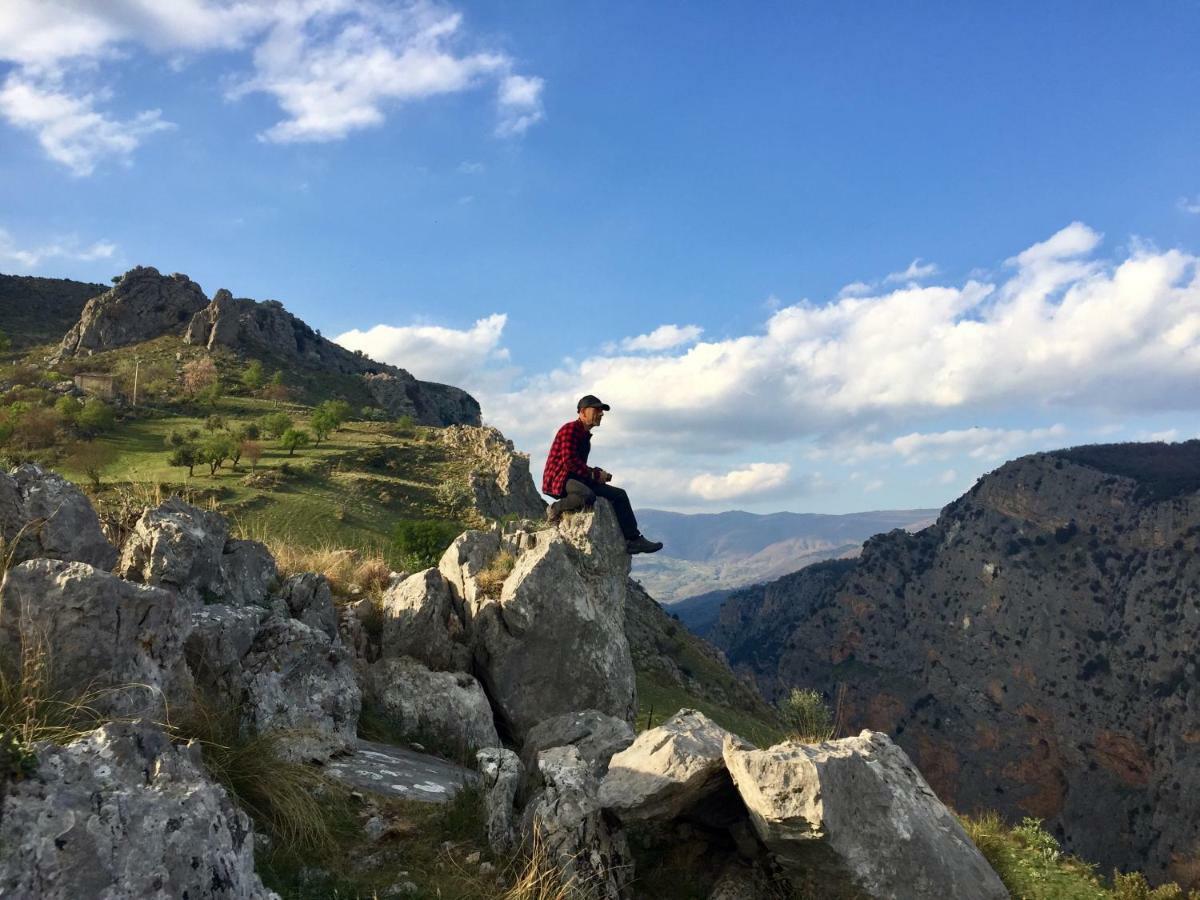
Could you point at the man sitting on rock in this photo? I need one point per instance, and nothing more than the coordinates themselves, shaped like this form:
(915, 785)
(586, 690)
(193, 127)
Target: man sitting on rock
(574, 484)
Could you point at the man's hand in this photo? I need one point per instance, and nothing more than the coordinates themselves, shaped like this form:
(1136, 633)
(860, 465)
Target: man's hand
(605, 477)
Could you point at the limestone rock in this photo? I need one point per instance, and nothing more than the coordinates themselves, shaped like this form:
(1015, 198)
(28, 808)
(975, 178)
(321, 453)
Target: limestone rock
(446, 708)
(553, 642)
(296, 679)
(857, 812)
(142, 306)
(500, 480)
(119, 641)
(565, 816)
(121, 813)
(595, 735)
(309, 599)
(178, 546)
(46, 517)
(248, 571)
(464, 559)
(422, 619)
(219, 639)
(501, 773)
(668, 770)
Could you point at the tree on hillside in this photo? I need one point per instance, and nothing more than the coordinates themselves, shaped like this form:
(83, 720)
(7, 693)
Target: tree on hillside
(253, 376)
(338, 412)
(248, 431)
(322, 422)
(183, 455)
(275, 424)
(253, 451)
(92, 459)
(216, 450)
(294, 439)
(199, 376)
(95, 416)
(276, 390)
(68, 407)
(214, 422)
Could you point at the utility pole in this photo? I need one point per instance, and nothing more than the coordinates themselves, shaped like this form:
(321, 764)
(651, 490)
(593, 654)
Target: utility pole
(137, 362)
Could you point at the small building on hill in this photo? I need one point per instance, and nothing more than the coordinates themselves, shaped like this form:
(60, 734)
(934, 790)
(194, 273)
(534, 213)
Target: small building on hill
(97, 384)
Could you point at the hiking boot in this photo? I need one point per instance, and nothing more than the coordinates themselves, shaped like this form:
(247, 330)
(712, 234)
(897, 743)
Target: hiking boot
(641, 544)
(553, 513)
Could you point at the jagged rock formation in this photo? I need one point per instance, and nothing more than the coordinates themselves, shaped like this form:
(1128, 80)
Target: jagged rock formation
(121, 812)
(1033, 651)
(499, 480)
(146, 305)
(143, 305)
(43, 516)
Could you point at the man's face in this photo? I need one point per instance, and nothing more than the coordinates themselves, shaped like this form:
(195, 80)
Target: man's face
(591, 416)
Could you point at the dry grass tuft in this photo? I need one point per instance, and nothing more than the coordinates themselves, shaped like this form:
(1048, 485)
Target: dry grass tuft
(540, 877)
(491, 579)
(349, 572)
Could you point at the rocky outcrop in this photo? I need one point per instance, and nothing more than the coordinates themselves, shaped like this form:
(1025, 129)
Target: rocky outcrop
(423, 619)
(43, 516)
(857, 812)
(553, 640)
(446, 710)
(596, 736)
(500, 770)
(668, 770)
(143, 305)
(1032, 651)
(118, 643)
(266, 328)
(565, 818)
(178, 546)
(499, 478)
(123, 813)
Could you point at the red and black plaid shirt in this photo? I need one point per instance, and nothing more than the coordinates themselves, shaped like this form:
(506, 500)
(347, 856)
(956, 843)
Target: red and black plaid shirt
(568, 458)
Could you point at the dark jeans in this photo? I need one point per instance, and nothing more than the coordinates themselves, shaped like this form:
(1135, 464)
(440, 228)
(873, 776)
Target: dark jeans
(583, 492)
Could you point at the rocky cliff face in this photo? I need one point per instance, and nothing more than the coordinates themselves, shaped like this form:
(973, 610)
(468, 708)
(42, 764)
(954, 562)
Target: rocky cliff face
(145, 305)
(1034, 650)
(142, 306)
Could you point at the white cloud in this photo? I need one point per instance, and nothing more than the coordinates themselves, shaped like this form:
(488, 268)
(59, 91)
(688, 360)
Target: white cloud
(466, 167)
(27, 259)
(950, 476)
(662, 338)
(855, 289)
(1190, 204)
(916, 271)
(872, 486)
(434, 352)
(333, 66)
(69, 127)
(519, 100)
(757, 478)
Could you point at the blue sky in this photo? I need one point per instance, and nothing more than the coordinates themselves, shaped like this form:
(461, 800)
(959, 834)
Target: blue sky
(814, 215)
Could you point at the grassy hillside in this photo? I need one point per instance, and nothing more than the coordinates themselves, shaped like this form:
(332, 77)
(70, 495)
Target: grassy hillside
(37, 311)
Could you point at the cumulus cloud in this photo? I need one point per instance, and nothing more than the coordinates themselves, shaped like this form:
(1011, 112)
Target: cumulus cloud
(756, 478)
(333, 66)
(24, 259)
(916, 271)
(1190, 204)
(974, 443)
(434, 352)
(665, 337)
(1059, 331)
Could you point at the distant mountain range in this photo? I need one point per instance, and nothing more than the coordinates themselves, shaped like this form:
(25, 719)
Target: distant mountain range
(709, 552)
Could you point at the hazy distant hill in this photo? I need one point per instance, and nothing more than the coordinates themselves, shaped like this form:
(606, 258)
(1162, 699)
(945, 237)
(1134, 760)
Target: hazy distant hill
(716, 551)
(40, 310)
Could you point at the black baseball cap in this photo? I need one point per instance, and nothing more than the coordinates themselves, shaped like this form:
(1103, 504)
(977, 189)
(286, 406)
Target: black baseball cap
(590, 400)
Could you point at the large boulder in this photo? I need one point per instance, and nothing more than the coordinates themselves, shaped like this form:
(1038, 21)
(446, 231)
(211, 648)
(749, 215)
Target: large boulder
(310, 600)
(669, 770)
(122, 813)
(248, 571)
(219, 640)
(179, 546)
(43, 516)
(856, 812)
(443, 710)
(422, 619)
(553, 641)
(596, 736)
(296, 680)
(566, 819)
(143, 305)
(120, 643)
